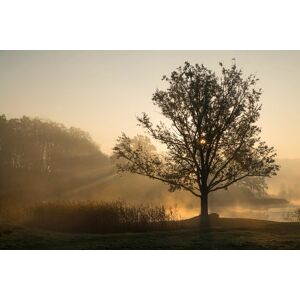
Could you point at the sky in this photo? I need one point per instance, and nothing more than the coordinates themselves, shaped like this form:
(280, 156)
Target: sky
(102, 92)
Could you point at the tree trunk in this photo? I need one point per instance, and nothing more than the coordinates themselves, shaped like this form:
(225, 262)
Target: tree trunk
(204, 205)
(204, 220)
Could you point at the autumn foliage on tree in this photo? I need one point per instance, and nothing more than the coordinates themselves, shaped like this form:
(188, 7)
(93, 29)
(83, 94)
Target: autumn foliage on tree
(212, 141)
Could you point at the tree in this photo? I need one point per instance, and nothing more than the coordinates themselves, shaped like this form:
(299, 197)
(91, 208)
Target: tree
(212, 139)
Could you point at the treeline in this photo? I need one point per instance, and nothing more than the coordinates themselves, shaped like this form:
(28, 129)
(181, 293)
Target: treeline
(43, 159)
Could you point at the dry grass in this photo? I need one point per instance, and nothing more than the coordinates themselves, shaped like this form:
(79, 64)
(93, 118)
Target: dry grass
(101, 217)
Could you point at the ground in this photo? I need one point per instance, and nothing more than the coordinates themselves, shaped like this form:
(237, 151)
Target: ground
(224, 234)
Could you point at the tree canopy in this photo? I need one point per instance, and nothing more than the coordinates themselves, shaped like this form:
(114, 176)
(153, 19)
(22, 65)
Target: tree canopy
(213, 139)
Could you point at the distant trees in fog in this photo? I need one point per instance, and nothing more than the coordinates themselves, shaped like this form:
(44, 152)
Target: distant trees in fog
(36, 155)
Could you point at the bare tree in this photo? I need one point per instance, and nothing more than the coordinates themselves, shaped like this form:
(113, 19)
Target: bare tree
(212, 140)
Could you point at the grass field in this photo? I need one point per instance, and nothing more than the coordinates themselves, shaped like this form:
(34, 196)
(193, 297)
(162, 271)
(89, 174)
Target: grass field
(224, 234)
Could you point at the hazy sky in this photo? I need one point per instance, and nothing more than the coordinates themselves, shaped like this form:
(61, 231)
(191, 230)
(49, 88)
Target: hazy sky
(102, 91)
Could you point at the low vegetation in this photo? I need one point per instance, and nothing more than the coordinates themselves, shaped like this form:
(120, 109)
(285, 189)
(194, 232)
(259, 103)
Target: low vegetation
(226, 234)
(293, 216)
(100, 217)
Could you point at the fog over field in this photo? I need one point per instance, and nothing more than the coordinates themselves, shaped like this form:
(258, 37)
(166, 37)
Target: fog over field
(43, 161)
(102, 92)
(282, 194)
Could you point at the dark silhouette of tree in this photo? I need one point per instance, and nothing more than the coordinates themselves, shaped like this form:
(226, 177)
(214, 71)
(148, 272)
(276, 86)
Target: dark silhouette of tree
(212, 141)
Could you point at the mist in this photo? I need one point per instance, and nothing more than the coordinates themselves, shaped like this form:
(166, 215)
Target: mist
(282, 194)
(43, 161)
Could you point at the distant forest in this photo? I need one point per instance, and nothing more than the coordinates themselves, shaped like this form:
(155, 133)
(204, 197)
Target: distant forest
(42, 159)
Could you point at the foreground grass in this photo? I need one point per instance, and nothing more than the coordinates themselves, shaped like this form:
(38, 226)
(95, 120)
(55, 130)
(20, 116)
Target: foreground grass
(228, 234)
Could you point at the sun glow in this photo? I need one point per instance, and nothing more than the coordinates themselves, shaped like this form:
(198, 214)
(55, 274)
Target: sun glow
(202, 141)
